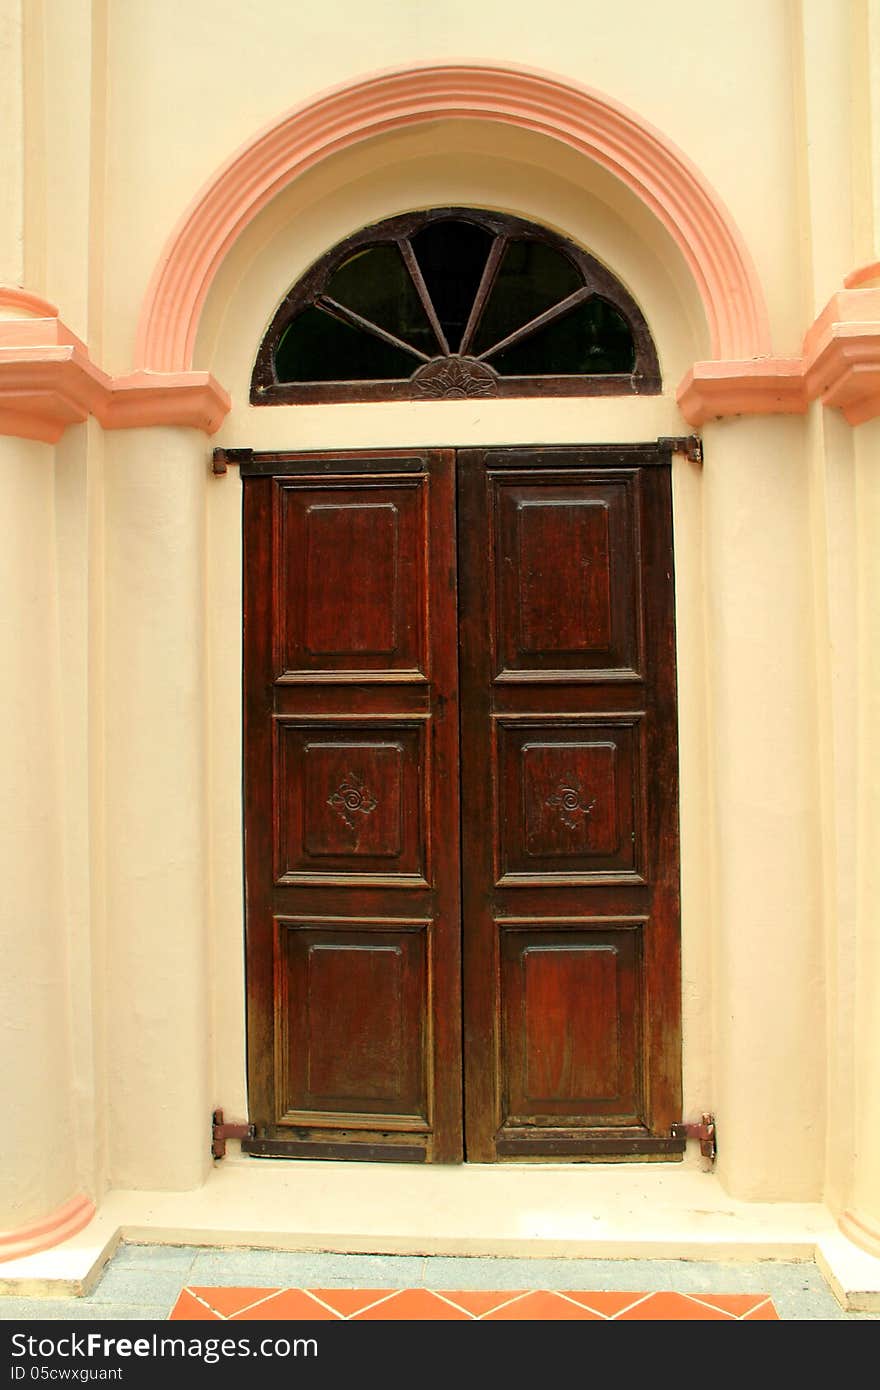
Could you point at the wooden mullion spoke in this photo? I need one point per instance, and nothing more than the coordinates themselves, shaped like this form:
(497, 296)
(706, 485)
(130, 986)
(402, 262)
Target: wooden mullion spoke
(556, 311)
(339, 311)
(418, 280)
(487, 280)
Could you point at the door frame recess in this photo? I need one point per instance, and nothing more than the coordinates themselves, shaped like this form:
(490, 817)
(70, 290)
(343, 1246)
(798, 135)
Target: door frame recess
(661, 1137)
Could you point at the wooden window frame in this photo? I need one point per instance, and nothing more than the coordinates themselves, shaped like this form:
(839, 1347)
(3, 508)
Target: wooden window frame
(456, 375)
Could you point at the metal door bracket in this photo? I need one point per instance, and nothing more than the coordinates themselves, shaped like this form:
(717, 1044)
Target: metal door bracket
(221, 458)
(691, 445)
(220, 1132)
(704, 1131)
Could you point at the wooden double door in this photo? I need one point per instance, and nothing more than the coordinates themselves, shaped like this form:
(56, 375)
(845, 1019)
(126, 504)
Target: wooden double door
(461, 793)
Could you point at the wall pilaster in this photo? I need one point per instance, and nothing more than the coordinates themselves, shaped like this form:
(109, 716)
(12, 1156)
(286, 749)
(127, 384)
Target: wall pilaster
(158, 1024)
(767, 992)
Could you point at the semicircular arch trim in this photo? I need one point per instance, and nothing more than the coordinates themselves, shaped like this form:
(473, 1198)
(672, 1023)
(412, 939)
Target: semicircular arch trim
(617, 139)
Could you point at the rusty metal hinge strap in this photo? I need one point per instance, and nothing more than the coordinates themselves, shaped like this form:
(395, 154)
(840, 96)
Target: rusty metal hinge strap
(220, 460)
(691, 445)
(704, 1132)
(220, 1132)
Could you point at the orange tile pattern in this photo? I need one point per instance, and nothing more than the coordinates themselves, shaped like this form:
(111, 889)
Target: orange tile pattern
(474, 1305)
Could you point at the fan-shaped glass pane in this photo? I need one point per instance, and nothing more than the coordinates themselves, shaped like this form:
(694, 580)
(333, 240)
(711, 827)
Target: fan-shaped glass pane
(451, 257)
(377, 285)
(593, 338)
(318, 347)
(532, 277)
(443, 303)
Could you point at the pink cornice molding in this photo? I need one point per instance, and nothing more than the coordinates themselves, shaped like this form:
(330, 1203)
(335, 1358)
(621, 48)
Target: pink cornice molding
(842, 352)
(762, 386)
(862, 276)
(619, 140)
(59, 1225)
(13, 297)
(862, 1231)
(839, 365)
(48, 381)
(846, 372)
(165, 398)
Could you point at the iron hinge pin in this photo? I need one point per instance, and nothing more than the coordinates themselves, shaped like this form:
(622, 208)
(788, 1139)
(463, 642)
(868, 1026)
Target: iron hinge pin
(691, 445)
(220, 1132)
(221, 459)
(704, 1132)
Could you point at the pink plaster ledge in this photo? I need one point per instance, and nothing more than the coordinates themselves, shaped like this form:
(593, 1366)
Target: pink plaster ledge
(862, 276)
(758, 386)
(842, 355)
(862, 1231)
(26, 302)
(39, 332)
(48, 381)
(43, 389)
(846, 372)
(59, 1225)
(146, 398)
(846, 306)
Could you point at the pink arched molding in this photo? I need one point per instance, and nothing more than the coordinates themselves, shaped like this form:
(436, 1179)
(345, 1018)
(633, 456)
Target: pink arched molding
(65, 1221)
(620, 141)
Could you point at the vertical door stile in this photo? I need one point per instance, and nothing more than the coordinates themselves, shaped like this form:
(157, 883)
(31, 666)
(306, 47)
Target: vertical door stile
(478, 797)
(445, 1013)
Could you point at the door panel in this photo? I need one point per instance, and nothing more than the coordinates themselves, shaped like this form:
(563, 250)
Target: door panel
(570, 796)
(352, 820)
(555, 617)
(570, 906)
(351, 801)
(572, 1022)
(353, 1021)
(352, 578)
(565, 601)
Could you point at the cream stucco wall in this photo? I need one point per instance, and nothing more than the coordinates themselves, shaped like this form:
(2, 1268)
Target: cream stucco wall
(123, 1007)
(865, 1017)
(35, 998)
(185, 106)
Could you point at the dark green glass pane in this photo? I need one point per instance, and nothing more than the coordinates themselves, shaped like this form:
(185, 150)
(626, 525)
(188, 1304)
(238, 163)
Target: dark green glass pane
(532, 277)
(318, 347)
(451, 257)
(377, 285)
(591, 339)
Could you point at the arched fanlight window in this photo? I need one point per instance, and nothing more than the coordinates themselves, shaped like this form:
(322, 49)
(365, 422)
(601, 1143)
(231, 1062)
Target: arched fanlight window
(450, 303)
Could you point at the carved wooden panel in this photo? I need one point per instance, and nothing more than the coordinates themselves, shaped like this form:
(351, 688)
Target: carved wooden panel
(351, 800)
(570, 798)
(351, 577)
(567, 599)
(571, 1023)
(352, 1022)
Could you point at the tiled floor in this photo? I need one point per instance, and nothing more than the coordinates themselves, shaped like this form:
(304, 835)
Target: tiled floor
(145, 1281)
(464, 1305)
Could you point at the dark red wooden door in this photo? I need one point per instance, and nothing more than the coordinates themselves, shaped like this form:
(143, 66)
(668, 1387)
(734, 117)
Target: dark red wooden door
(351, 807)
(570, 803)
(354, 646)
